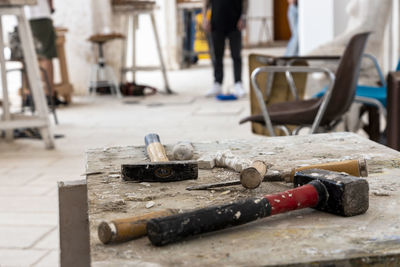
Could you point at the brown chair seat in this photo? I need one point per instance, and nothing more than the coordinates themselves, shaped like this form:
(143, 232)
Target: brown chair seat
(293, 112)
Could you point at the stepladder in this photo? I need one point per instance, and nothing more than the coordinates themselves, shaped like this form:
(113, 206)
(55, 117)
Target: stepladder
(40, 118)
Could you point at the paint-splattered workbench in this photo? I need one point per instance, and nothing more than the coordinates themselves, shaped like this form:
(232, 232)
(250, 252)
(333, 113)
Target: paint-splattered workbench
(302, 236)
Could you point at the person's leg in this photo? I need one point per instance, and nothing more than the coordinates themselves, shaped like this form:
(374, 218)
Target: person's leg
(47, 65)
(218, 40)
(45, 39)
(235, 44)
(218, 47)
(293, 45)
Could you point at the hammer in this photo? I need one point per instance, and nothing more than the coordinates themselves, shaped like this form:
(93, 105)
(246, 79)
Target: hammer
(160, 169)
(252, 177)
(333, 192)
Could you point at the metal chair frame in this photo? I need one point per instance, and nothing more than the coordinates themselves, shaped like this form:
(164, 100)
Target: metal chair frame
(289, 69)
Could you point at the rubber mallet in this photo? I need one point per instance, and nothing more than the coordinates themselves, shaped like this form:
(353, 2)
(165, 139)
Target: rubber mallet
(121, 230)
(334, 192)
(160, 169)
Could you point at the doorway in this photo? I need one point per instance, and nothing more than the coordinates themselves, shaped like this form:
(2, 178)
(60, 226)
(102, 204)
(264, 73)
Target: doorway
(281, 24)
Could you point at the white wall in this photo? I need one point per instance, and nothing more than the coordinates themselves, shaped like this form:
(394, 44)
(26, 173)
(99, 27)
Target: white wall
(320, 21)
(76, 15)
(340, 16)
(257, 9)
(316, 23)
(84, 18)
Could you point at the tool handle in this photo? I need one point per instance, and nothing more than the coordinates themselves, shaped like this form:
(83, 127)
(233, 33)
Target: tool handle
(353, 167)
(162, 231)
(121, 230)
(154, 148)
(253, 176)
(311, 195)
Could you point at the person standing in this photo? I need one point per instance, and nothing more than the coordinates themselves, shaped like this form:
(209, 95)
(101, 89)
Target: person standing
(228, 19)
(44, 36)
(292, 48)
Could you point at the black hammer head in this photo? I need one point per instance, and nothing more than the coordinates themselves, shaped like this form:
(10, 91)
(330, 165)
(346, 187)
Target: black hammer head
(169, 171)
(348, 195)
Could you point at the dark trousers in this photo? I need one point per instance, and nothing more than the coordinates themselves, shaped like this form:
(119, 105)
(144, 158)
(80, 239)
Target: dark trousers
(235, 44)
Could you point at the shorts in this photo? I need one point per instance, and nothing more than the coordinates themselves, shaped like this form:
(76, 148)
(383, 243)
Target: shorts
(44, 37)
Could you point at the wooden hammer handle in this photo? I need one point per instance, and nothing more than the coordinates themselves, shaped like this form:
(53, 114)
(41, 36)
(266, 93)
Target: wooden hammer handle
(162, 231)
(253, 176)
(121, 230)
(354, 167)
(154, 148)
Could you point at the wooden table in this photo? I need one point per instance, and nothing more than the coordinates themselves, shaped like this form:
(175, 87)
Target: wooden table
(302, 236)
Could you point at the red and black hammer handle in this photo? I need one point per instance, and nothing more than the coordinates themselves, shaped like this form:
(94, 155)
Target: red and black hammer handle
(162, 231)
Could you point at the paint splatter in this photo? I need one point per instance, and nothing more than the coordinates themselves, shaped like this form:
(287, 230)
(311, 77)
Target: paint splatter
(237, 215)
(150, 204)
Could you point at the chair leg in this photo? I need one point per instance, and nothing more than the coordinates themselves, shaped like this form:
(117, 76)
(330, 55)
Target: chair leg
(93, 80)
(110, 74)
(372, 128)
(6, 102)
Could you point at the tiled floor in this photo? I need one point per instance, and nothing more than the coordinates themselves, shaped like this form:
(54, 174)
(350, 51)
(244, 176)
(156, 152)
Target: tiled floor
(29, 173)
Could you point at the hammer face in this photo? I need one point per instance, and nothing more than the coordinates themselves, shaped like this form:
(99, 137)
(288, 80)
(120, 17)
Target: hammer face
(348, 195)
(160, 171)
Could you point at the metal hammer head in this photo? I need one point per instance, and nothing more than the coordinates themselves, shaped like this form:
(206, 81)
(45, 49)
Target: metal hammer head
(160, 171)
(348, 195)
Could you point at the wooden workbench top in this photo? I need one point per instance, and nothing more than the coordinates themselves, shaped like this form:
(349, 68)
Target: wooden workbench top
(298, 237)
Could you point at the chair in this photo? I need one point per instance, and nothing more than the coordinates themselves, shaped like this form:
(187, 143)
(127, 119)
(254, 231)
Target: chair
(373, 98)
(368, 94)
(323, 113)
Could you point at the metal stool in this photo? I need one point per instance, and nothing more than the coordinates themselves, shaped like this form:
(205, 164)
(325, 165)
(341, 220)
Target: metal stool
(40, 119)
(102, 76)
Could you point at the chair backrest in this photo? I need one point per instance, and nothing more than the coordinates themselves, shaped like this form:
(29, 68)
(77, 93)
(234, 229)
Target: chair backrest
(347, 74)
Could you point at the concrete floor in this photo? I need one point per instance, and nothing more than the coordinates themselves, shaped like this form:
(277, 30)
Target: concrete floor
(29, 173)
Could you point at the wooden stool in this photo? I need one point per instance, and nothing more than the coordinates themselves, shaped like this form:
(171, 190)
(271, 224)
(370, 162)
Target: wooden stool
(134, 8)
(40, 119)
(102, 75)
